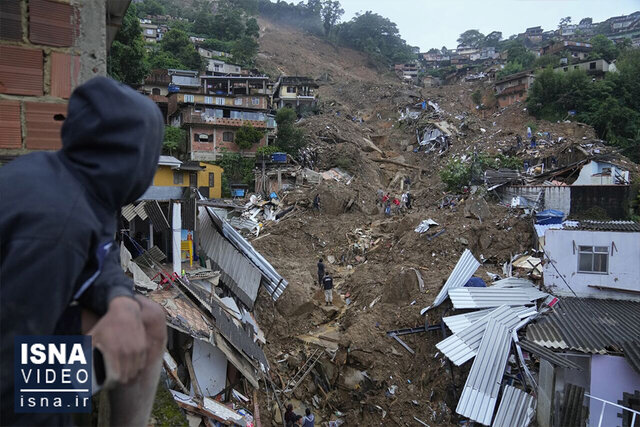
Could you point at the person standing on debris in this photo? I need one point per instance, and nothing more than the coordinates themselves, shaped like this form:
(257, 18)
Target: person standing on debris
(290, 416)
(403, 201)
(407, 183)
(533, 141)
(60, 267)
(327, 283)
(408, 200)
(518, 141)
(387, 207)
(316, 203)
(320, 271)
(380, 196)
(396, 204)
(309, 419)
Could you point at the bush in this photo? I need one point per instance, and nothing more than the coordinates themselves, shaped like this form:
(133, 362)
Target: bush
(456, 175)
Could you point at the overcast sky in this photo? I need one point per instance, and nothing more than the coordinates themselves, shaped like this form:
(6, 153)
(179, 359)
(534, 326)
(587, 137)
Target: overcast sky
(437, 23)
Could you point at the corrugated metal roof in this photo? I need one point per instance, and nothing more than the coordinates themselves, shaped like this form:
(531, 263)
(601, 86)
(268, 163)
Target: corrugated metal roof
(10, 127)
(128, 212)
(547, 354)
(632, 354)
(489, 297)
(513, 282)
(271, 280)
(589, 325)
(480, 392)
(238, 273)
(516, 409)
(188, 214)
(462, 272)
(459, 322)
(464, 346)
(574, 412)
(157, 216)
(21, 70)
(542, 228)
(142, 213)
(169, 161)
(52, 23)
(604, 226)
(163, 193)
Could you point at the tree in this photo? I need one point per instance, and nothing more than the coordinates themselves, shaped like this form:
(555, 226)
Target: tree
(602, 47)
(173, 139)
(314, 6)
(150, 7)
(162, 59)
(472, 38)
(247, 135)
(176, 43)
(331, 13)
(586, 21)
(244, 50)
(228, 24)
(444, 50)
(126, 60)
(252, 29)
(564, 22)
(289, 138)
(492, 38)
(433, 50)
(204, 24)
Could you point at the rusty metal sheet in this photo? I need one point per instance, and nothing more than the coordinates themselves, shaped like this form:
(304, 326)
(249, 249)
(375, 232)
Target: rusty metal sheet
(10, 128)
(52, 23)
(157, 216)
(21, 71)
(43, 132)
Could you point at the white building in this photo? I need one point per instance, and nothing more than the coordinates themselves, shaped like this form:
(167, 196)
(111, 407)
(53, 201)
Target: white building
(593, 259)
(602, 173)
(218, 67)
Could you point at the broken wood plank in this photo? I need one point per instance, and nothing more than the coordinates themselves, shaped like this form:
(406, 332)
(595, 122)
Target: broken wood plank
(419, 277)
(402, 343)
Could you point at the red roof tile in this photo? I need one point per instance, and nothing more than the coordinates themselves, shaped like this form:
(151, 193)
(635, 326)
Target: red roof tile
(43, 132)
(10, 129)
(20, 71)
(52, 23)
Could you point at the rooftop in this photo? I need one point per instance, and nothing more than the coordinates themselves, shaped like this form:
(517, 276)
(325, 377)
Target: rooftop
(602, 226)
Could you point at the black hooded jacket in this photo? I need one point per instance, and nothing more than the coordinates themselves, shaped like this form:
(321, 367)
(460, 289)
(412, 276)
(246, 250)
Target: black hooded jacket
(58, 216)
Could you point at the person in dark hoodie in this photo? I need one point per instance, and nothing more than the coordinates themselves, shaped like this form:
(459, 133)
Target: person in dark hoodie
(309, 419)
(60, 267)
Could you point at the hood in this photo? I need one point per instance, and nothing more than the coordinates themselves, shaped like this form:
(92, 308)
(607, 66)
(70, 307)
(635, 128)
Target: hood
(111, 140)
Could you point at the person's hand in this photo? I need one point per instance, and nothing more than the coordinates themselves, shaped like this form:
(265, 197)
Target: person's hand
(120, 336)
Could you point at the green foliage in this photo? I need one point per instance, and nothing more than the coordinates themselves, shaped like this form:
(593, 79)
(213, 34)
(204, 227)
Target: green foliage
(492, 39)
(216, 44)
(603, 48)
(545, 61)
(518, 57)
(162, 59)
(173, 139)
(150, 7)
(455, 175)
(376, 36)
(252, 29)
(442, 72)
(476, 97)
(290, 139)
(267, 150)
(247, 135)
(245, 50)
(331, 13)
(512, 67)
(306, 16)
(611, 105)
(126, 60)
(177, 48)
(473, 38)
(237, 170)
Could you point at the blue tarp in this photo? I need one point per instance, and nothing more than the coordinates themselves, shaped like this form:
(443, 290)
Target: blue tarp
(475, 282)
(550, 216)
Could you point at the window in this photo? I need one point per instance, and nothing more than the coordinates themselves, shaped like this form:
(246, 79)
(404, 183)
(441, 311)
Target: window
(208, 99)
(203, 137)
(291, 89)
(237, 101)
(189, 98)
(150, 32)
(593, 259)
(227, 136)
(197, 109)
(155, 91)
(592, 66)
(255, 101)
(566, 69)
(177, 177)
(212, 179)
(219, 101)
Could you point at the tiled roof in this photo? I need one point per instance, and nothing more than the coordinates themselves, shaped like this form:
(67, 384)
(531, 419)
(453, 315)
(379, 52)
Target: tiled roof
(603, 225)
(591, 325)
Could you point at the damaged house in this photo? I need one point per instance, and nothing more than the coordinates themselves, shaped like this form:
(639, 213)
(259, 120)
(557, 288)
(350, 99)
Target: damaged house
(297, 92)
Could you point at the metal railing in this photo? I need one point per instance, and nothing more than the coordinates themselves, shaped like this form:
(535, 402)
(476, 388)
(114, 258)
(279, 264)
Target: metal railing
(604, 405)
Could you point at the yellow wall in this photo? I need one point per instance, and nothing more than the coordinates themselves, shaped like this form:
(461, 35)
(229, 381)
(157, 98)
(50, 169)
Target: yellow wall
(285, 95)
(164, 178)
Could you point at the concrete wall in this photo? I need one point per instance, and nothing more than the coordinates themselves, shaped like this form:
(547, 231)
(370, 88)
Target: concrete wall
(47, 48)
(164, 178)
(561, 247)
(593, 173)
(611, 376)
(209, 151)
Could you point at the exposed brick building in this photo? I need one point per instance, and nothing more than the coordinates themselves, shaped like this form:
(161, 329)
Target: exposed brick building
(47, 48)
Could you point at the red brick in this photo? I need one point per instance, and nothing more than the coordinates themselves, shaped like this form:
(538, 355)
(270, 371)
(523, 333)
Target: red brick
(20, 71)
(52, 23)
(64, 74)
(43, 132)
(10, 129)
(10, 20)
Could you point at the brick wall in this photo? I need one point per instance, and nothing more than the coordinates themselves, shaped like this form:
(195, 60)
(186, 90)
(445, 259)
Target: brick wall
(40, 49)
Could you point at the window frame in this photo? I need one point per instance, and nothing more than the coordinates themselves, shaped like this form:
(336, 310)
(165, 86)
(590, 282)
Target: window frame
(176, 175)
(238, 101)
(255, 101)
(189, 98)
(208, 99)
(228, 132)
(593, 251)
(212, 179)
(220, 100)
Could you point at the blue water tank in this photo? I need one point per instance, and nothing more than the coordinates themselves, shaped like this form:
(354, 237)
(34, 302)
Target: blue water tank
(279, 157)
